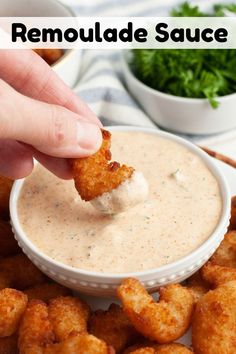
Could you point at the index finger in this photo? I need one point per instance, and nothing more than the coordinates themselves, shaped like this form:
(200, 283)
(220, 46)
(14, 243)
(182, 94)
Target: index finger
(32, 76)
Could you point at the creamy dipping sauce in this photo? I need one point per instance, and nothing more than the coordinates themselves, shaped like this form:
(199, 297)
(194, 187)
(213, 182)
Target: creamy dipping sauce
(131, 192)
(182, 210)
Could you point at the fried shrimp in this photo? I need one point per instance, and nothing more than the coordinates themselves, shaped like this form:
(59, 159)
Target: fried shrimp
(8, 244)
(5, 281)
(12, 306)
(79, 344)
(197, 286)
(19, 272)
(225, 254)
(50, 55)
(5, 189)
(214, 321)
(144, 345)
(46, 291)
(113, 326)
(232, 225)
(35, 329)
(67, 315)
(216, 275)
(145, 350)
(172, 348)
(109, 186)
(197, 292)
(8, 345)
(164, 321)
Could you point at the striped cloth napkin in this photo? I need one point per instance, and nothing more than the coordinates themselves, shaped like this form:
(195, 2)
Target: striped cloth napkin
(101, 82)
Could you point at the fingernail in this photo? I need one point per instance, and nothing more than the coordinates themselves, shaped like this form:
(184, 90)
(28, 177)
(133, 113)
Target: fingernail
(89, 136)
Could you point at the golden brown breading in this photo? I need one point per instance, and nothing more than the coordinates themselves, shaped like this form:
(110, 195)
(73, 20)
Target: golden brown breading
(8, 244)
(197, 292)
(197, 280)
(8, 345)
(20, 272)
(38, 51)
(68, 314)
(172, 348)
(144, 350)
(5, 189)
(133, 348)
(35, 329)
(80, 344)
(5, 280)
(95, 174)
(164, 321)
(46, 291)
(232, 225)
(12, 306)
(217, 275)
(225, 254)
(197, 286)
(214, 321)
(50, 55)
(114, 327)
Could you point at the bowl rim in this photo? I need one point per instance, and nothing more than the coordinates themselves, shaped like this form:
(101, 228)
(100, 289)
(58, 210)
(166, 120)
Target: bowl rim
(222, 223)
(67, 52)
(127, 71)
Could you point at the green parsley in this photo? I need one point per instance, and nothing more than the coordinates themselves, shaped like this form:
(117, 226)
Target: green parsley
(187, 10)
(219, 10)
(194, 73)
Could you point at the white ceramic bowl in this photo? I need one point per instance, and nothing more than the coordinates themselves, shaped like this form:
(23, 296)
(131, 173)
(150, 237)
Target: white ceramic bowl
(68, 66)
(180, 114)
(102, 284)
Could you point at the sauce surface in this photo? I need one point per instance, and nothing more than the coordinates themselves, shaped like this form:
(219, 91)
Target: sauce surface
(182, 210)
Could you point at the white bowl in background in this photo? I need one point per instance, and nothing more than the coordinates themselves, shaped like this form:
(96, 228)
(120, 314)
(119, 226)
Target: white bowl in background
(181, 114)
(68, 66)
(104, 284)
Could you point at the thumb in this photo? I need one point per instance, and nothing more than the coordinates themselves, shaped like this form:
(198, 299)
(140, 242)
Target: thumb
(51, 129)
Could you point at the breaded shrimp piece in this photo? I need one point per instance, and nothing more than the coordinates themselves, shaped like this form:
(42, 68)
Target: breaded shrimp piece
(197, 292)
(38, 51)
(216, 275)
(110, 187)
(164, 321)
(225, 255)
(5, 189)
(197, 286)
(52, 55)
(21, 272)
(12, 306)
(46, 291)
(8, 345)
(113, 326)
(8, 244)
(172, 348)
(214, 321)
(135, 347)
(145, 350)
(5, 281)
(232, 225)
(35, 329)
(49, 55)
(80, 344)
(68, 314)
(95, 174)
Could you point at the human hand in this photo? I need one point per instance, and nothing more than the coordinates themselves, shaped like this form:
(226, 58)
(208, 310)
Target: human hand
(40, 117)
